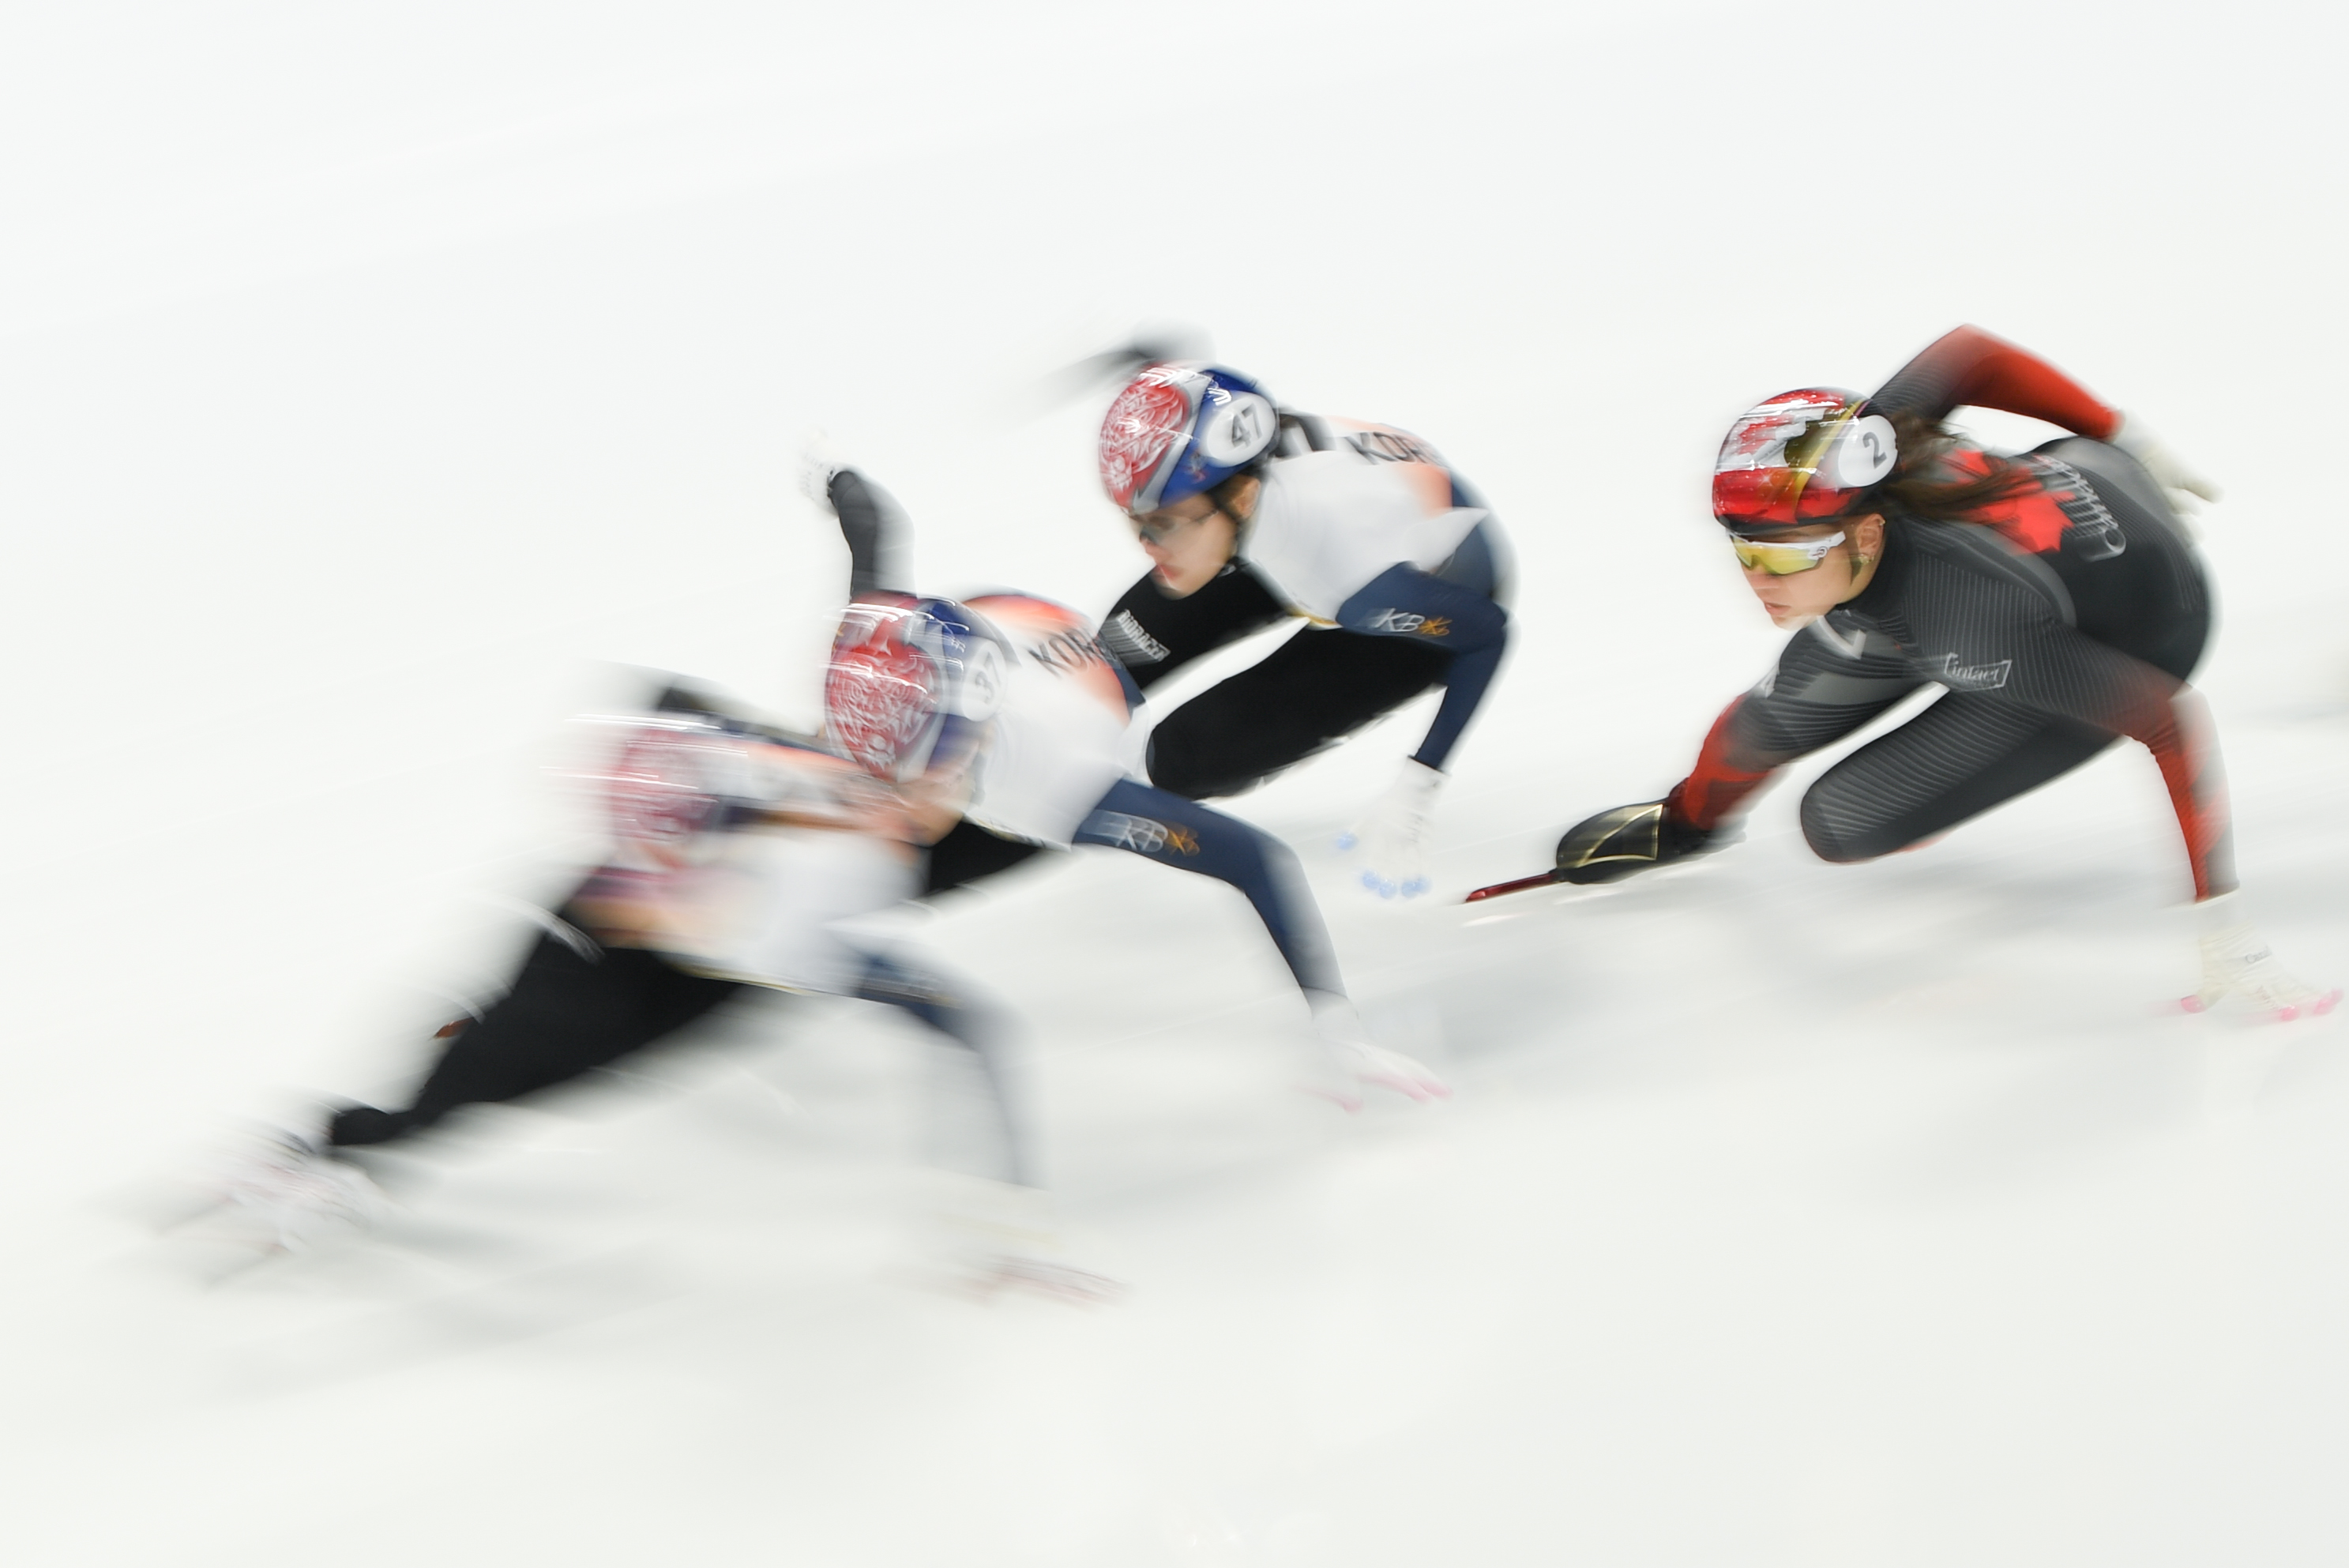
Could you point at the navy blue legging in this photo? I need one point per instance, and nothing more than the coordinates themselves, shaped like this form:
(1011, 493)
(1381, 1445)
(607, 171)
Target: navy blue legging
(1161, 827)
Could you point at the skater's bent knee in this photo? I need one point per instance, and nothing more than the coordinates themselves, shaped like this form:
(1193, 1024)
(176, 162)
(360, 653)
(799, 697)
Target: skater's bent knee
(1834, 838)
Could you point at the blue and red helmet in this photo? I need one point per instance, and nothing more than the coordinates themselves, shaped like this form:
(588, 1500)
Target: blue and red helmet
(1181, 427)
(912, 684)
(1800, 457)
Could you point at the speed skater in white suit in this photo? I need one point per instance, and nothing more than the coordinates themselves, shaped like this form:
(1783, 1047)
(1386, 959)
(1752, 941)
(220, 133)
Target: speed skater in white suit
(740, 856)
(1005, 718)
(739, 851)
(1249, 511)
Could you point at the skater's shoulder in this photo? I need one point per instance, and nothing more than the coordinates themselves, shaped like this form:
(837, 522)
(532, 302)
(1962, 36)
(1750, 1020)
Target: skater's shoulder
(1345, 481)
(1975, 562)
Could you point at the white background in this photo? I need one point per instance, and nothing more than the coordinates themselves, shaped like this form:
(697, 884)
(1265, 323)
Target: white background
(376, 385)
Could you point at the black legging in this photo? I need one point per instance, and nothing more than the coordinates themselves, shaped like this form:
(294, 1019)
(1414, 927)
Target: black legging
(567, 1014)
(578, 1006)
(1305, 696)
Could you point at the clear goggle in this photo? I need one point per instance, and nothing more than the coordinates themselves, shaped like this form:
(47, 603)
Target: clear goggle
(1781, 558)
(1158, 527)
(1161, 526)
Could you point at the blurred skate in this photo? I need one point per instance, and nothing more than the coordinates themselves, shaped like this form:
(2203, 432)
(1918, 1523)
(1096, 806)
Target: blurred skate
(1045, 1277)
(2237, 961)
(1374, 1066)
(282, 1193)
(985, 1238)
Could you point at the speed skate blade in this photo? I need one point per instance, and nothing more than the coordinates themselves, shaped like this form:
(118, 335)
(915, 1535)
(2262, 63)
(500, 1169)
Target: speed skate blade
(1546, 879)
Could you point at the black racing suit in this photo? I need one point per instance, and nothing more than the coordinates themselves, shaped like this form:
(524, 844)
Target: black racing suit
(2045, 656)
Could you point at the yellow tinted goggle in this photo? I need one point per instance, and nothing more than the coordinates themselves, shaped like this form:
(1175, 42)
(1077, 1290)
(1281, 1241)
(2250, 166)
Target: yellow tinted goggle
(1782, 558)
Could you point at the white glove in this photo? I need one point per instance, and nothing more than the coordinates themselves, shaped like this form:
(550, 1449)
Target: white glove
(2135, 439)
(1393, 838)
(2235, 958)
(821, 457)
(1347, 1061)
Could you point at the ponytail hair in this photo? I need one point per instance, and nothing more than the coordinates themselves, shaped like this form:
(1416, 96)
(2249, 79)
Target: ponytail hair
(1940, 479)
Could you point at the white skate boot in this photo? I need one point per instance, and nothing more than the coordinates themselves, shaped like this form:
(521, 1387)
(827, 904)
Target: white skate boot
(989, 1237)
(285, 1193)
(2236, 960)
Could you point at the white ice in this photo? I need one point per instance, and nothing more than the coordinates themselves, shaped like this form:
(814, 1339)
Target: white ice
(375, 385)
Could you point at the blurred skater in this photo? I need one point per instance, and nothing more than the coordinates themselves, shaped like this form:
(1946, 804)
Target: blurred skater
(1249, 512)
(2052, 596)
(1031, 757)
(736, 855)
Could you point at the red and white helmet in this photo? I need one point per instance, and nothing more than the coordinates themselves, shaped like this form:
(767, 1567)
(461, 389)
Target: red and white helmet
(668, 785)
(911, 685)
(1181, 427)
(1801, 457)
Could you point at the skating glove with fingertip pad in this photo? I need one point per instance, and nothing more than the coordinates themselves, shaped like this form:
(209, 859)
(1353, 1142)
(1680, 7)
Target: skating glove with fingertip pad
(1615, 843)
(1392, 840)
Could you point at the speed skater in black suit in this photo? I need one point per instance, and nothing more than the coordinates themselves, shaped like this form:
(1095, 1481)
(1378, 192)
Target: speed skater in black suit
(2053, 598)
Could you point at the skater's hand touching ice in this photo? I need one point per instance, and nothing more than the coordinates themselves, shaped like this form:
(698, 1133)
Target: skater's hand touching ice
(1391, 841)
(1616, 843)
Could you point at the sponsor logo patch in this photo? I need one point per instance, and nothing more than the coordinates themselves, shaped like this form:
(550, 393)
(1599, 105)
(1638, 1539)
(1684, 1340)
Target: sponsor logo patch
(1132, 643)
(1143, 835)
(1971, 677)
(1067, 651)
(1411, 624)
(2090, 531)
(1394, 446)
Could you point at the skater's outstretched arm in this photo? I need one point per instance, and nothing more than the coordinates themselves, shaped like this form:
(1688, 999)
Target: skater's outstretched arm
(977, 1129)
(1826, 685)
(1405, 602)
(1188, 837)
(1969, 366)
(879, 543)
(1183, 834)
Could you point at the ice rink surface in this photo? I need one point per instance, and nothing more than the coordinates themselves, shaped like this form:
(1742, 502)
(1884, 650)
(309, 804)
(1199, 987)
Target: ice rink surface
(374, 394)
